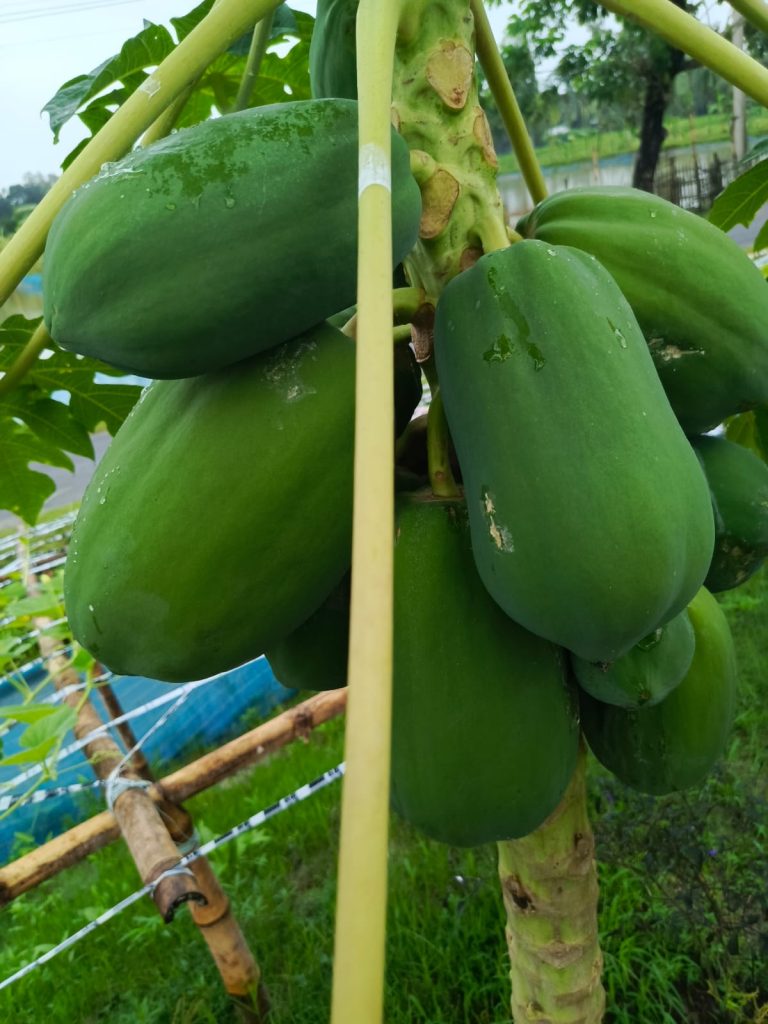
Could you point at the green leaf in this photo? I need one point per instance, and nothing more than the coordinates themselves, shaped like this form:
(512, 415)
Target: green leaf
(24, 490)
(94, 404)
(27, 712)
(184, 24)
(49, 729)
(147, 49)
(742, 199)
(32, 756)
(53, 422)
(43, 604)
(761, 239)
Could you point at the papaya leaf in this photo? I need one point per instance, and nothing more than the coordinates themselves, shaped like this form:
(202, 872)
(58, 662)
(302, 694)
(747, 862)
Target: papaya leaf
(761, 239)
(147, 49)
(94, 404)
(24, 490)
(742, 199)
(52, 421)
(750, 430)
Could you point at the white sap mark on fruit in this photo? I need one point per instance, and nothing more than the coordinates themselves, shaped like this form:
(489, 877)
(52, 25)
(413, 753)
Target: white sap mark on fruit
(499, 534)
(150, 85)
(653, 215)
(229, 202)
(90, 608)
(170, 206)
(670, 353)
(551, 252)
(283, 371)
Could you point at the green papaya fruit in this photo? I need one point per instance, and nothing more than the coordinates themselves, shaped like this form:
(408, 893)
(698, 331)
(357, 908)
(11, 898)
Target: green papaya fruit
(314, 656)
(332, 50)
(217, 242)
(738, 482)
(674, 744)
(591, 519)
(484, 728)
(646, 674)
(220, 515)
(700, 301)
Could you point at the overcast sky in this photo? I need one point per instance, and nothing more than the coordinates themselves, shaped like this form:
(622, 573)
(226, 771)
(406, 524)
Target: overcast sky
(43, 43)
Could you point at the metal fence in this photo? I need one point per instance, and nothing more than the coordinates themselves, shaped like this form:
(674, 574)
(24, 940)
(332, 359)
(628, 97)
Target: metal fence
(694, 184)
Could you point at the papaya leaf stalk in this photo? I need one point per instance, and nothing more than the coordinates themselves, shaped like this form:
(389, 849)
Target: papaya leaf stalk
(506, 101)
(359, 947)
(438, 446)
(684, 32)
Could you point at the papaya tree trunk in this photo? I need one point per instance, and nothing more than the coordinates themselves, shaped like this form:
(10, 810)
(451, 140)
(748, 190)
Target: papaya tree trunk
(549, 882)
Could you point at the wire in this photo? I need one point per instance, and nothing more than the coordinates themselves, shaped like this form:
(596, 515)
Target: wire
(80, 5)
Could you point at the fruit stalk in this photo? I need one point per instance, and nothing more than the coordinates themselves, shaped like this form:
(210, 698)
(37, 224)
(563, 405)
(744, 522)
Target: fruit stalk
(549, 883)
(506, 101)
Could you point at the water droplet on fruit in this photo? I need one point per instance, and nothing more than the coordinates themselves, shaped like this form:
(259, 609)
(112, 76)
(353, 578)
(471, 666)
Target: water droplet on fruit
(229, 202)
(170, 206)
(653, 214)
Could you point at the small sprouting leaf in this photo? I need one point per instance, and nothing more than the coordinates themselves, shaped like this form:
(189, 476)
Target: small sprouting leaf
(49, 729)
(26, 713)
(742, 199)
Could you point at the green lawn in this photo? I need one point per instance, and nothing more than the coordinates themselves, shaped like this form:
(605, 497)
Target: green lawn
(682, 132)
(684, 901)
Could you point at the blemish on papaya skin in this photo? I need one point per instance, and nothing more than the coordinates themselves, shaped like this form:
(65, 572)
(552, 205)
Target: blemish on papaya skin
(499, 535)
(669, 353)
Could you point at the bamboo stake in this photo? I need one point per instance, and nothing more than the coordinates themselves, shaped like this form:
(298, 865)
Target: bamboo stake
(247, 750)
(211, 909)
(684, 32)
(151, 847)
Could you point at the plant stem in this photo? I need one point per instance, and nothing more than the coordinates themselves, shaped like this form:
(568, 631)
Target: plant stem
(26, 359)
(259, 42)
(163, 125)
(684, 32)
(441, 477)
(361, 904)
(550, 893)
(755, 11)
(506, 101)
(406, 302)
(221, 27)
(436, 108)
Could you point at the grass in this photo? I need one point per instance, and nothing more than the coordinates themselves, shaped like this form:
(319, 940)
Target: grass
(683, 913)
(681, 132)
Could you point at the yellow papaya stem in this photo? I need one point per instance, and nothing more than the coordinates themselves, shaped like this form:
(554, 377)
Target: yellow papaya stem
(683, 31)
(549, 883)
(361, 905)
(506, 101)
(441, 477)
(26, 359)
(219, 29)
(755, 11)
(259, 43)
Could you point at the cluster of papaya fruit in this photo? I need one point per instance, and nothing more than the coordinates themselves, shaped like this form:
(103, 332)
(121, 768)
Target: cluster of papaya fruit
(563, 588)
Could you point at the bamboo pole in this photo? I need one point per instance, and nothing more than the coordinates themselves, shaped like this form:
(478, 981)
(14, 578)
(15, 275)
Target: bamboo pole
(154, 831)
(72, 846)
